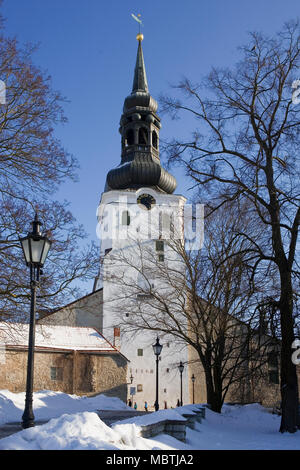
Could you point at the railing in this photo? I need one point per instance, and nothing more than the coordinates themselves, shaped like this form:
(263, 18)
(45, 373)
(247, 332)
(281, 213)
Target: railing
(140, 148)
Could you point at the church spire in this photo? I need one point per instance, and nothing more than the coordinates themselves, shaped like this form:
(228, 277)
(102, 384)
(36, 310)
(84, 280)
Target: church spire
(139, 127)
(140, 79)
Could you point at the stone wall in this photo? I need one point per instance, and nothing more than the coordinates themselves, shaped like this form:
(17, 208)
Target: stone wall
(77, 373)
(105, 373)
(173, 427)
(256, 389)
(86, 311)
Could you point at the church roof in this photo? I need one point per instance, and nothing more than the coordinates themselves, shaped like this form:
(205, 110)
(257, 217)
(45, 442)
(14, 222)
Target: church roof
(55, 337)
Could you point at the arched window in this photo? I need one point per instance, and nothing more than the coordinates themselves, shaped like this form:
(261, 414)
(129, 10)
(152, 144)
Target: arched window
(154, 139)
(165, 224)
(129, 137)
(125, 218)
(143, 136)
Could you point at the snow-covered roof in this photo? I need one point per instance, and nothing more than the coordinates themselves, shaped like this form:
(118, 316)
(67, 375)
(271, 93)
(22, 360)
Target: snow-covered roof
(55, 337)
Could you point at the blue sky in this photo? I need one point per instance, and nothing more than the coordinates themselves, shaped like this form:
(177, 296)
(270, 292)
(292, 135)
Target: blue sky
(89, 49)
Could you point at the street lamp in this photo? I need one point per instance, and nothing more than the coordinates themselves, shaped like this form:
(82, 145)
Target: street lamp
(181, 367)
(193, 382)
(157, 348)
(35, 249)
(131, 381)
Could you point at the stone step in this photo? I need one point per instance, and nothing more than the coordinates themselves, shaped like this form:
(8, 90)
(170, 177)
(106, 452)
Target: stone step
(111, 416)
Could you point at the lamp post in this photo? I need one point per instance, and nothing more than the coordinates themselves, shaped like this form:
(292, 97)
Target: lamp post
(193, 382)
(181, 367)
(35, 249)
(131, 381)
(157, 348)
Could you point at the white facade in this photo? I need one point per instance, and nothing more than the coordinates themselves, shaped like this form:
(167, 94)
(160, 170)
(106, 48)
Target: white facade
(128, 233)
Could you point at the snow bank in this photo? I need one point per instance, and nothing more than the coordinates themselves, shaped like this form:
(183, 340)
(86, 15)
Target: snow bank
(48, 404)
(241, 427)
(81, 431)
(9, 411)
(237, 428)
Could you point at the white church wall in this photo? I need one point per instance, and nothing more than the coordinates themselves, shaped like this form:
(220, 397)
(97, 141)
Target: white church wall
(139, 235)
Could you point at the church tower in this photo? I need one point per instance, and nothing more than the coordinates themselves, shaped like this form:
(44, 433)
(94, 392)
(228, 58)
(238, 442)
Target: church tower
(139, 197)
(139, 127)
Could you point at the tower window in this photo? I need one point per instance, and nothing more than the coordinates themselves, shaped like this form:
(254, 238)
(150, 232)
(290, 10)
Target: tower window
(164, 223)
(161, 257)
(125, 218)
(154, 139)
(143, 136)
(129, 137)
(140, 352)
(159, 245)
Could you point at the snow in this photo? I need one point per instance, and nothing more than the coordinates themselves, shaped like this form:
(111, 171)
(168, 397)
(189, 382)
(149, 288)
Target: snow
(75, 425)
(80, 431)
(241, 427)
(48, 404)
(54, 336)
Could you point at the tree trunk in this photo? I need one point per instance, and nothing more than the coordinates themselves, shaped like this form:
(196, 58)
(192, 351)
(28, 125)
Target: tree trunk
(214, 399)
(289, 383)
(218, 396)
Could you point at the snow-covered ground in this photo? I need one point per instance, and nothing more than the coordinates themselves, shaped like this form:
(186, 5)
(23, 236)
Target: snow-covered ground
(48, 404)
(238, 427)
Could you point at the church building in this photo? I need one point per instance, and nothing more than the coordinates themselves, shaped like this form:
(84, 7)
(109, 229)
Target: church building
(139, 211)
(137, 204)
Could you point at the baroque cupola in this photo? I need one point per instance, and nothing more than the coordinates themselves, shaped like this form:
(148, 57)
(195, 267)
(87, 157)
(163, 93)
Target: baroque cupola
(139, 127)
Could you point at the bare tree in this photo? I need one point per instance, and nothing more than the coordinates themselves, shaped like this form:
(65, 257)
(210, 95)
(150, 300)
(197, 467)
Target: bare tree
(246, 145)
(202, 298)
(33, 163)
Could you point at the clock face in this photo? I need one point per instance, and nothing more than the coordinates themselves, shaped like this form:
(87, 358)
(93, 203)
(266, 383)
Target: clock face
(146, 201)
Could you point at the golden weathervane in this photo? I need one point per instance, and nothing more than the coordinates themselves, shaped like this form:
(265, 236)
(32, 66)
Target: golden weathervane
(137, 18)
